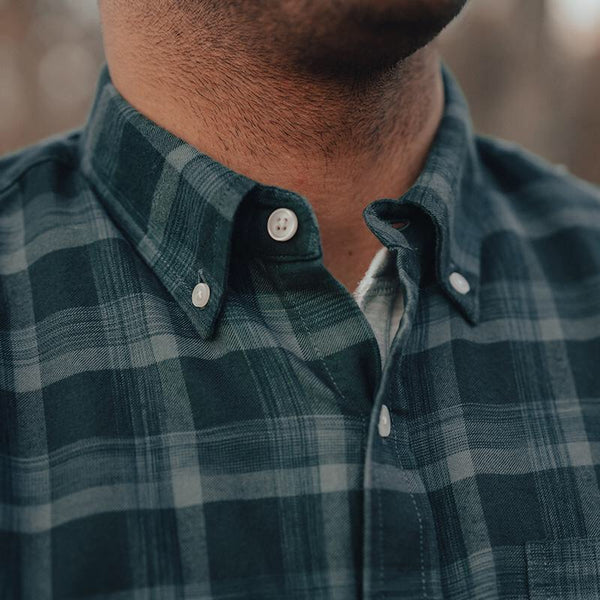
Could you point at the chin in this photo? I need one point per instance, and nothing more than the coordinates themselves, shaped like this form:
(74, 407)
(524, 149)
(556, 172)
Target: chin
(368, 37)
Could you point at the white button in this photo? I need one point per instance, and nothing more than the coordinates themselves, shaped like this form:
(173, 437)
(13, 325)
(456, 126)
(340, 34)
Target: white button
(459, 283)
(200, 295)
(385, 423)
(282, 224)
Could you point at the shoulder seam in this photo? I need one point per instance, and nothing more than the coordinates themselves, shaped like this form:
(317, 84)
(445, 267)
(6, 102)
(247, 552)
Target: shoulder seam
(546, 168)
(27, 167)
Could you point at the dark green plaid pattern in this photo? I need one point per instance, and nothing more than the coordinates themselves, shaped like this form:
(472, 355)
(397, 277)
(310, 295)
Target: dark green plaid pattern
(151, 449)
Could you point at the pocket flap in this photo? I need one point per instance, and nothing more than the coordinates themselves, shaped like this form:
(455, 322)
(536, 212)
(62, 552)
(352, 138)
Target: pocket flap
(566, 569)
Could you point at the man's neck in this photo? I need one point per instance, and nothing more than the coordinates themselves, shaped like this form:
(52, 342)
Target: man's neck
(340, 146)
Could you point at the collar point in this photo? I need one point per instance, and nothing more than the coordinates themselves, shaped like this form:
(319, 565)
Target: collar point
(203, 316)
(204, 323)
(469, 306)
(467, 303)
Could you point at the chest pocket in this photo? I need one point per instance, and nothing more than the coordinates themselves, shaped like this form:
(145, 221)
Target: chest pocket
(567, 569)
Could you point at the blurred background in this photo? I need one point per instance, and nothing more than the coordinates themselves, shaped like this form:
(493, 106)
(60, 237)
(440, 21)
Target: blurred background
(529, 68)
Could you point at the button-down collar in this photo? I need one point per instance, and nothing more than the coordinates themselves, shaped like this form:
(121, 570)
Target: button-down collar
(450, 191)
(178, 206)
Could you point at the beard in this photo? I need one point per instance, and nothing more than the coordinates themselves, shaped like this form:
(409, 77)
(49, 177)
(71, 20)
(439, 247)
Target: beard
(333, 40)
(359, 40)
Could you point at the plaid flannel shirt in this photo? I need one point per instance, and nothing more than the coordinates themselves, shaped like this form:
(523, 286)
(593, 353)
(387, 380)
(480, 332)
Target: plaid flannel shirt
(150, 448)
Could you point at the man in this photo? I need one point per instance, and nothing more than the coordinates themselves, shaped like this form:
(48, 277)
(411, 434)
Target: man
(276, 324)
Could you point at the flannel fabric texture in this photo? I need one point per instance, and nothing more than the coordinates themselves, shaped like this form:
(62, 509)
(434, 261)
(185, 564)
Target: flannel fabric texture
(152, 449)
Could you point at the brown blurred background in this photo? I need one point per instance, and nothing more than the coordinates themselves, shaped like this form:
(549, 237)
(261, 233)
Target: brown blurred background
(530, 70)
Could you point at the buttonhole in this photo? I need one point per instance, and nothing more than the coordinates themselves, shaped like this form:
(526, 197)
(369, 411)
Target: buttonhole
(400, 225)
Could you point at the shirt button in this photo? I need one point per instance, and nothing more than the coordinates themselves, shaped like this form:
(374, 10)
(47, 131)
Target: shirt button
(282, 224)
(200, 295)
(459, 283)
(385, 423)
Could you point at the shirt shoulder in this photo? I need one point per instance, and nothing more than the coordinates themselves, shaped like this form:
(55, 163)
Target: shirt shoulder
(540, 219)
(38, 168)
(49, 214)
(527, 178)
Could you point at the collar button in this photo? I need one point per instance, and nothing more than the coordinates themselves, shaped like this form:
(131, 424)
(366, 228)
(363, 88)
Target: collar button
(459, 283)
(282, 224)
(200, 295)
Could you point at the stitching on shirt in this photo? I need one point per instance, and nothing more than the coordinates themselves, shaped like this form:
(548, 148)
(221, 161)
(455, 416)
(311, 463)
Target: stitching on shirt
(16, 179)
(318, 352)
(174, 279)
(380, 537)
(420, 520)
(259, 390)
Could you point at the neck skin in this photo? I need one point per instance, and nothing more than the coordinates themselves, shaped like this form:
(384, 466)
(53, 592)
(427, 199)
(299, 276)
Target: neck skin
(339, 145)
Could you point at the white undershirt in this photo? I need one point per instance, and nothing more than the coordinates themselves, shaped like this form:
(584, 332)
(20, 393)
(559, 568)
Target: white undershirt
(379, 296)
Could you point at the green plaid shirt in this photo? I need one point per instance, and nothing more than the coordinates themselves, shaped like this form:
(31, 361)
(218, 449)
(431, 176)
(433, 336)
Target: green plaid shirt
(154, 449)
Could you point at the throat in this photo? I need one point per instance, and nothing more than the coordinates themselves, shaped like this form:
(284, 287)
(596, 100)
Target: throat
(348, 258)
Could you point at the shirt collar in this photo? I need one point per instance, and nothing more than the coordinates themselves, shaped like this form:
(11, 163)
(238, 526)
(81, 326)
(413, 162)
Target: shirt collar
(178, 206)
(451, 191)
(173, 203)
